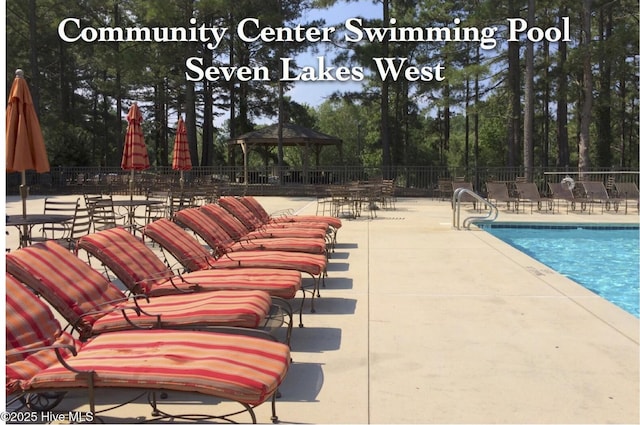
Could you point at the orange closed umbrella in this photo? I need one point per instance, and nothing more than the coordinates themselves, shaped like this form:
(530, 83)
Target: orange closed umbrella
(134, 154)
(25, 148)
(181, 155)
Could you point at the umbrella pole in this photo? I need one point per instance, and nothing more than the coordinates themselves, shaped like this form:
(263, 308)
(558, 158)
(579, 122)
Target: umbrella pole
(131, 185)
(181, 180)
(24, 192)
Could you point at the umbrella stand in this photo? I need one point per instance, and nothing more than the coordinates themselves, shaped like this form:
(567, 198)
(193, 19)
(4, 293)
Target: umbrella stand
(181, 180)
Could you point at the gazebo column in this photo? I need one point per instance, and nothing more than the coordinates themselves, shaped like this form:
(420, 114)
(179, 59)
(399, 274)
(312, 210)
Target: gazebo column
(245, 154)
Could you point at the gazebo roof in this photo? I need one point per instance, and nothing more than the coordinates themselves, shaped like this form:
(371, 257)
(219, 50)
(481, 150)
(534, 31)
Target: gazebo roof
(292, 135)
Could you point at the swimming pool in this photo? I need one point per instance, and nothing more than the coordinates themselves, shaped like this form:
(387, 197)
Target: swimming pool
(602, 258)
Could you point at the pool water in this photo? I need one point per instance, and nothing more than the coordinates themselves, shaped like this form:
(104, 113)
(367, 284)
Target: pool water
(604, 259)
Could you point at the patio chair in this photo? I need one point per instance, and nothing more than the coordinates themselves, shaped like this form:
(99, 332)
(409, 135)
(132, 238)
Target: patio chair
(241, 366)
(102, 212)
(55, 231)
(629, 192)
(528, 192)
(178, 201)
(597, 192)
(92, 305)
(232, 236)
(499, 192)
(193, 256)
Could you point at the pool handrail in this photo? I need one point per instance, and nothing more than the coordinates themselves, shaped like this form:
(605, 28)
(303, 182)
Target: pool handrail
(492, 214)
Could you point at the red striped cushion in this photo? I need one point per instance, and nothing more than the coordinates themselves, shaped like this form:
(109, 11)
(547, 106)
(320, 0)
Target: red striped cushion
(181, 245)
(29, 324)
(69, 284)
(121, 257)
(128, 257)
(220, 308)
(281, 283)
(205, 227)
(245, 208)
(236, 208)
(302, 245)
(240, 368)
(75, 289)
(308, 263)
(287, 233)
(234, 226)
(253, 204)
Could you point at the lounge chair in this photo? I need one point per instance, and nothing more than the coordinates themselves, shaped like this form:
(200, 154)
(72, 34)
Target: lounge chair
(93, 305)
(142, 271)
(41, 358)
(238, 231)
(629, 192)
(560, 192)
(246, 216)
(282, 217)
(499, 192)
(206, 228)
(597, 192)
(528, 192)
(233, 236)
(465, 196)
(193, 256)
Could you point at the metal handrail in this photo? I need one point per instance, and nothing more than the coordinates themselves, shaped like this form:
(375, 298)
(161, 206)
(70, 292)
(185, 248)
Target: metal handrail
(455, 202)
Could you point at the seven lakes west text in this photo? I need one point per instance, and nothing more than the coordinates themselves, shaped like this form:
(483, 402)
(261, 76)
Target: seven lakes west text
(250, 30)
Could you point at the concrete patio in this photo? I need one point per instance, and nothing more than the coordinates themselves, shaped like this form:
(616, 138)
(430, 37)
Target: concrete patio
(421, 323)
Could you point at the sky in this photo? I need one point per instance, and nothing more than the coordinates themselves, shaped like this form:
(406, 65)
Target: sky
(314, 93)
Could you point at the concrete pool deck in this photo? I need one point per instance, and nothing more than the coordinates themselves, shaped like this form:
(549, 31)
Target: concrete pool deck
(421, 323)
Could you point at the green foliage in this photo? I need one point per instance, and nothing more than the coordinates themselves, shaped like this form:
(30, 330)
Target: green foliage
(83, 90)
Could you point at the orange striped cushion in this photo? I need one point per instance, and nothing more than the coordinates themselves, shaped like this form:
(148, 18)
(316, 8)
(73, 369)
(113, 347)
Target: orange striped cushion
(205, 227)
(241, 368)
(253, 204)
(308, 263)
(240, 207)
(237, 216)
(234, 226)
(29, 324)
(281, 283)
(123, 259)
(236, 208)
(220, 308)
(69, 284)
(75, 289)
(180, 244)
(308, 245)
(128, 257)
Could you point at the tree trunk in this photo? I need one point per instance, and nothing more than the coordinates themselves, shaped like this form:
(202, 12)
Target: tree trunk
(384, 100)
(513, 124)
(603, 114)
(587, 89)
(562, 113)
(529, 98)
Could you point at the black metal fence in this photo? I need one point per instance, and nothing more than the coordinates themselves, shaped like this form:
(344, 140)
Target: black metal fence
(410, 181)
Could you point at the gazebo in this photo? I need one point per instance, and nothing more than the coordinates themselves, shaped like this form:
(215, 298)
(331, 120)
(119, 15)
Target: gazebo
(292, 135)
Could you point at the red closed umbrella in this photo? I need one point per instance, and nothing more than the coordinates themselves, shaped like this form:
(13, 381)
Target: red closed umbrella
(181, 155)
(25, 148)
(134, 154)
